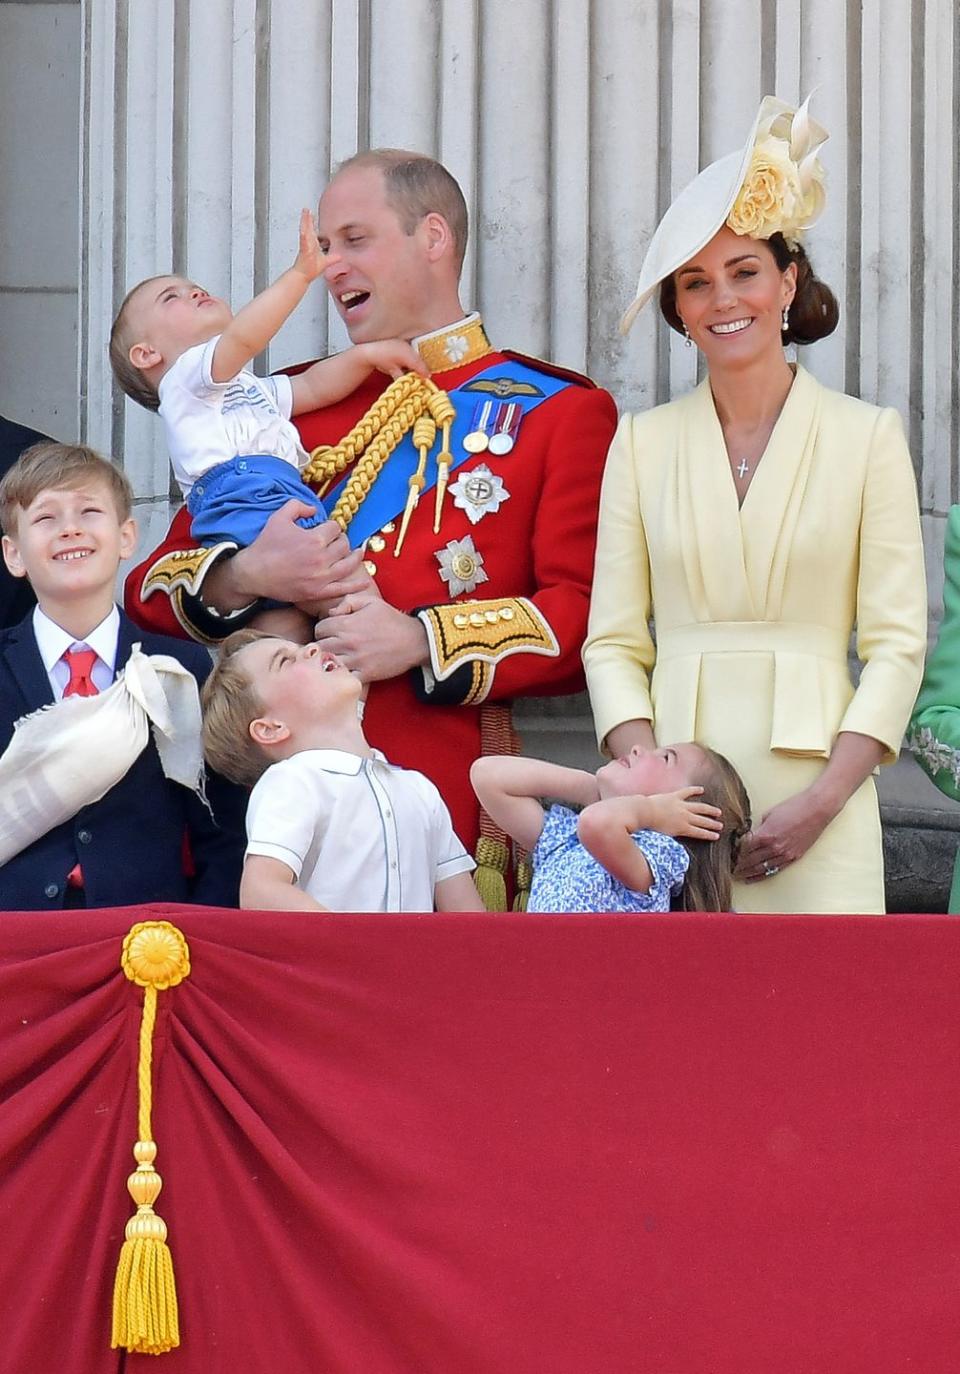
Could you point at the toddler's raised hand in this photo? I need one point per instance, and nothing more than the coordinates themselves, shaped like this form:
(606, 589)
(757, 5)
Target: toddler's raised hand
(392, 356)
(677, 814)
(311, 259)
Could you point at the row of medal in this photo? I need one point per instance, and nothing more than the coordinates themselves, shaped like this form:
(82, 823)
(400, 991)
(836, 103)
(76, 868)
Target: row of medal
(494, 427)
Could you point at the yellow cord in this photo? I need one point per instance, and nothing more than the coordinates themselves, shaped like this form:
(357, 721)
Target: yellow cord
(444, 460)
(424, 433)
(374, 437)
(145, 1315)
(145, 1064)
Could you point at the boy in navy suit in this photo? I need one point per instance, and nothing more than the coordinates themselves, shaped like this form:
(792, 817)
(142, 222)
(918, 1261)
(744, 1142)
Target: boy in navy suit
(65, 515)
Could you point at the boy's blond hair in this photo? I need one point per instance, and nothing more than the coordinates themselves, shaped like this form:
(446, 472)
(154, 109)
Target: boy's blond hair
(51, 466)
(230, 702)
(130, 379)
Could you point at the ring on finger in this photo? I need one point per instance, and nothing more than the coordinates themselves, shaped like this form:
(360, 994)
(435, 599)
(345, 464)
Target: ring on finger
(770, 870)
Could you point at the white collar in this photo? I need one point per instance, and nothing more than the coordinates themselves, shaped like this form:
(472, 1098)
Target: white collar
(339, 761)
(53, 640)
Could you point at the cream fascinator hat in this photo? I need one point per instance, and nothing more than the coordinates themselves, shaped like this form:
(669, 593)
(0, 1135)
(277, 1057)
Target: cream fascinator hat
(775, 185)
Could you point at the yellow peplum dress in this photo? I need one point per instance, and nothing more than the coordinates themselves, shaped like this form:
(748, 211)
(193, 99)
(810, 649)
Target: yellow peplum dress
(753, 608)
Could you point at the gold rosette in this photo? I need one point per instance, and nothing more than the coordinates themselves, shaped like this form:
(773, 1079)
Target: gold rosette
(155, 954)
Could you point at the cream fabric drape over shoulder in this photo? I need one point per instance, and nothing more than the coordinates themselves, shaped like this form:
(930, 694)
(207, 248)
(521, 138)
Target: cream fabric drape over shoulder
(753, 609)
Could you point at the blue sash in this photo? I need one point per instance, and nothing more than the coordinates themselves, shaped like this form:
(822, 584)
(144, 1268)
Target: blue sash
(388, 495)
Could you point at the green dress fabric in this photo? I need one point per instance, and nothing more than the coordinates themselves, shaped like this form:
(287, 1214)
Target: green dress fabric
(934, 733)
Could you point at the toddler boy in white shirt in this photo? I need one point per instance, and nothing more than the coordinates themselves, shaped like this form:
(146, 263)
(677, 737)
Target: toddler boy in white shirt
(331, 825)
(178, 350)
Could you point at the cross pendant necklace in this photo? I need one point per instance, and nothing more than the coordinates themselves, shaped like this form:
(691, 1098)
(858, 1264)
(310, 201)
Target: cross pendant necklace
(743, 467)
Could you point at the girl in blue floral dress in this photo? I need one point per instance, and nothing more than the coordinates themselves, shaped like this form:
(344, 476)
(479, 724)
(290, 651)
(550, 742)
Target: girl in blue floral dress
(654, 829)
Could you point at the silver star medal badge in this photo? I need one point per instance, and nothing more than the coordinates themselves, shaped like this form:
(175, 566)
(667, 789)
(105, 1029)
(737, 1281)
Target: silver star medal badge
(479, 493)
(461, 566)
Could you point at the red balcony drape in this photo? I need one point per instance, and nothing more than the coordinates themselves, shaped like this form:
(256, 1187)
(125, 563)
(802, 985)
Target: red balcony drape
(492, 1144)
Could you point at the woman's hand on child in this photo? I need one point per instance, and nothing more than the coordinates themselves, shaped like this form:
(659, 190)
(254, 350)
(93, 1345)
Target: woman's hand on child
(392, 356)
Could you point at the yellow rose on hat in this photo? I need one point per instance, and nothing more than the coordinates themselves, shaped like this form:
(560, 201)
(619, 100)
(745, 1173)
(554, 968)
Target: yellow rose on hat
(771, 198)
(775, 184)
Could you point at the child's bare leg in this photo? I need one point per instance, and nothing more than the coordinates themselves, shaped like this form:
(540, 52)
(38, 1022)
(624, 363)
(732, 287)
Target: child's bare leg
(286, 622)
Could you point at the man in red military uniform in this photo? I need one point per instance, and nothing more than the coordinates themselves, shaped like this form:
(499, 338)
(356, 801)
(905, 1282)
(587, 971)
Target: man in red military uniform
(481, 544)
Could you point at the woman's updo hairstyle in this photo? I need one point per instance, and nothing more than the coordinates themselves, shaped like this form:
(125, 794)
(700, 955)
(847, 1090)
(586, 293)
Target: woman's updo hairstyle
(813, 314)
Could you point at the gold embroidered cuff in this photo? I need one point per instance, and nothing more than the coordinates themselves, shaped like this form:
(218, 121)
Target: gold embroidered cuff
(482, 634)
(180, 575)
(184, 568)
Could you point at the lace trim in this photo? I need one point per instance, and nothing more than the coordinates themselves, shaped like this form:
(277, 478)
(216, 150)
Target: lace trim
(934, 754)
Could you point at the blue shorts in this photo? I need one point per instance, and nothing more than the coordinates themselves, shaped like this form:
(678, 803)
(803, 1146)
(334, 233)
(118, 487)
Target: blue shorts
(235, 499)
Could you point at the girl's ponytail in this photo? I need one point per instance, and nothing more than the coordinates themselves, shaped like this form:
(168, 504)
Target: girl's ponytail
(708, 885)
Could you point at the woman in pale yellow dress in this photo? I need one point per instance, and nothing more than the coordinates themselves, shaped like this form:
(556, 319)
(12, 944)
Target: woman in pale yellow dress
(757, 521)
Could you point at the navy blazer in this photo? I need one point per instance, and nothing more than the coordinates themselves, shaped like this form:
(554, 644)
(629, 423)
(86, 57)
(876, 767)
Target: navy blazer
(130, 844)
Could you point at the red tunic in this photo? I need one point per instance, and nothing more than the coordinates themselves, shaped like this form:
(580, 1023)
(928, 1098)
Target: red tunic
(539, 545)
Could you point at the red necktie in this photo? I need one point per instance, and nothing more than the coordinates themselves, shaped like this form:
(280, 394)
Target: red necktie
(80, 662)
(81, 684)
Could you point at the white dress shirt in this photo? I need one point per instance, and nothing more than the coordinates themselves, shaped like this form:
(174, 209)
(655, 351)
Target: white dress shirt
(358, 833)
(53, 642)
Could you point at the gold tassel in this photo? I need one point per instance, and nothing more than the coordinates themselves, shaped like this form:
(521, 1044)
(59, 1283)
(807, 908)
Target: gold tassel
(145, 1318)
(524, 879)
(444, 414)
(424, 433)
(492, 860)
(444, 459)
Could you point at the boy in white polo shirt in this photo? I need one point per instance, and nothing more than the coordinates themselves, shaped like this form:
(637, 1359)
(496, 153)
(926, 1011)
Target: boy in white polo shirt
(331, 825)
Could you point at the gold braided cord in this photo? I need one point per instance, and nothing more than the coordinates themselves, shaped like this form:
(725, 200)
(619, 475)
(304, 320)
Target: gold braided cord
(368, 467)
(145, 1063)
(328, 461)
(442, 410)
(424, 433)
(374, 437)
